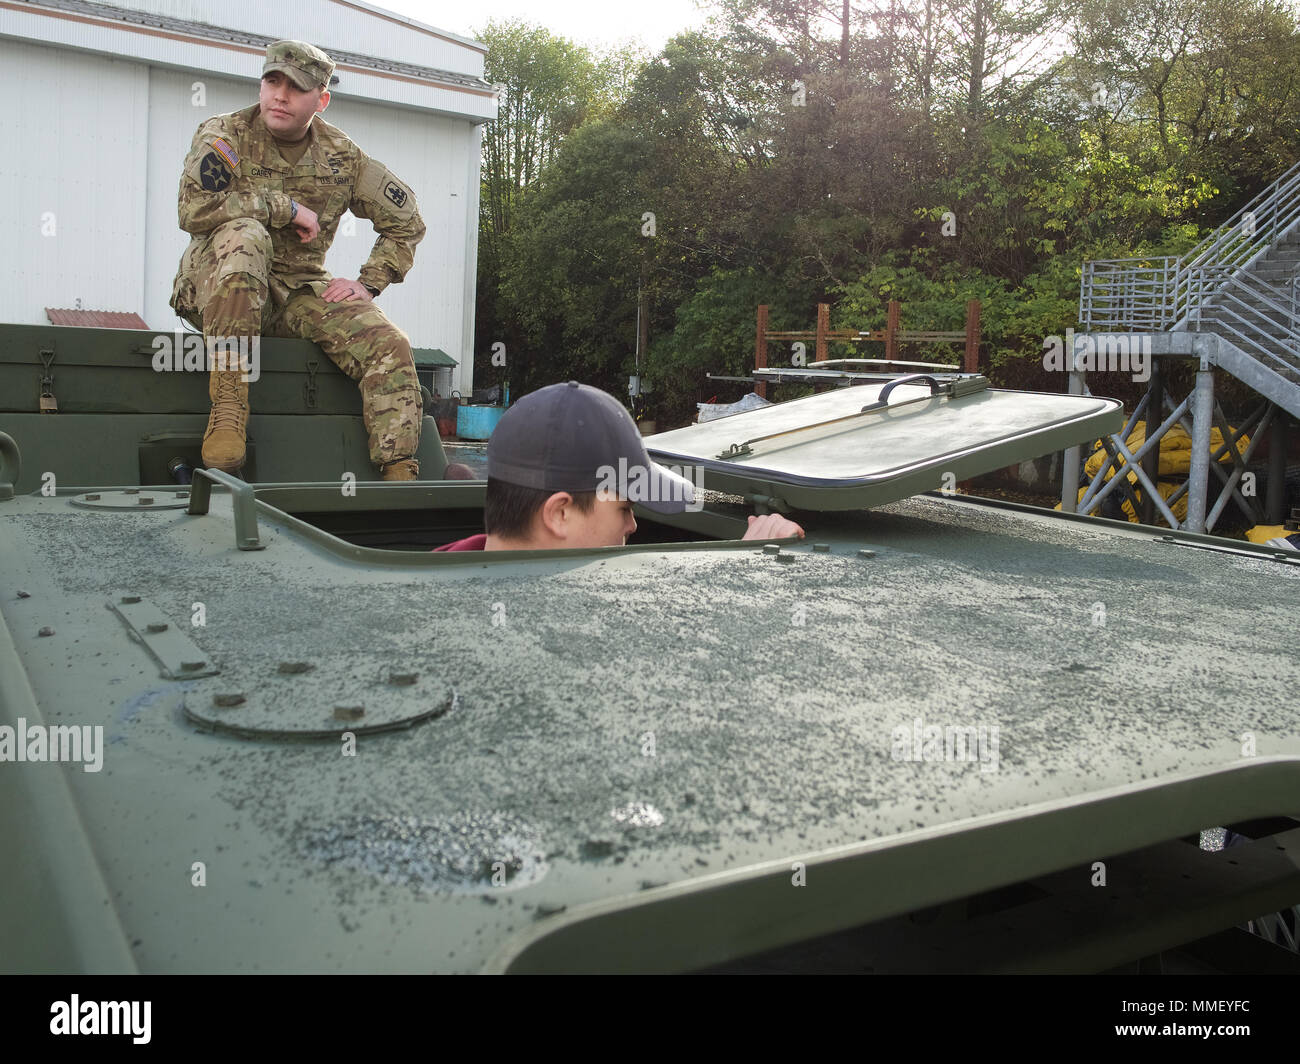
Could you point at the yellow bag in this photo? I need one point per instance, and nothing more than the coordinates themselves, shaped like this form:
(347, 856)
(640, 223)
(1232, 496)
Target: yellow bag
(1175, 460)
(1175, 451)
(1263, 533)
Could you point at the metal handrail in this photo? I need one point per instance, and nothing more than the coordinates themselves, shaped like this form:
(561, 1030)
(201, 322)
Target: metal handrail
(1116, 294)
(243, 504)
(1273, 212)
(1166, 293)
(1247, 335)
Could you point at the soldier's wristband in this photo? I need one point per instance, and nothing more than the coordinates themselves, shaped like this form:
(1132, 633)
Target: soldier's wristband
(293, 210)
(374, 292)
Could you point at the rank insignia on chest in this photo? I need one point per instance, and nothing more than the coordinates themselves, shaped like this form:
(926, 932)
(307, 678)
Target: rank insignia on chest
(214, 174)
(396, 193)
(227, 153)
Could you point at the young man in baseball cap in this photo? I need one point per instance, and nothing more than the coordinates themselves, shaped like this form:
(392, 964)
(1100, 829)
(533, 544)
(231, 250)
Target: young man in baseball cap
(560, 463)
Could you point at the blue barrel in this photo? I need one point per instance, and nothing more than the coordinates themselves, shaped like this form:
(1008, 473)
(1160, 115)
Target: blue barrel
(477, 422)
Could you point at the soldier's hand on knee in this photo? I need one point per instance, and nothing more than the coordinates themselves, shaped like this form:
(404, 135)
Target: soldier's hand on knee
(307, 223)
(341, 290)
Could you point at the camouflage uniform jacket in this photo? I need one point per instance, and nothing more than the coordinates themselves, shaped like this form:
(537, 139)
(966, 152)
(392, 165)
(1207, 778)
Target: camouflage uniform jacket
(235, 170)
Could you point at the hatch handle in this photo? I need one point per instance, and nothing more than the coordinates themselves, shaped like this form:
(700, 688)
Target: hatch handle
(911, 378)
(242, 501)
(953, 389)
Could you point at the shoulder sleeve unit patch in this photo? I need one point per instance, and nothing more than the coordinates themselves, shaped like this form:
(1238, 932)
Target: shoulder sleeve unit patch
(382, 195)
(395, 192)
(214, 174)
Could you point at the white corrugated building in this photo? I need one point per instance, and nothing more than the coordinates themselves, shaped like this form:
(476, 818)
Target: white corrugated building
(99, 102)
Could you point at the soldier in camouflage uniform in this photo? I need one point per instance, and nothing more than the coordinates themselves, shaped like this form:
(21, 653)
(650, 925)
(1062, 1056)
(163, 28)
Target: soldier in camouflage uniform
(262, 193)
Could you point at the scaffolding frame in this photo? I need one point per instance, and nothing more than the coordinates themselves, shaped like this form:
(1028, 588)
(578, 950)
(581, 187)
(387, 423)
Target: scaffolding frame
(1197, 413)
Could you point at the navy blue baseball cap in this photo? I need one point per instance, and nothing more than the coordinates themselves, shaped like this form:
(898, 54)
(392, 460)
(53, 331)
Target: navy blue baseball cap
(573, 437)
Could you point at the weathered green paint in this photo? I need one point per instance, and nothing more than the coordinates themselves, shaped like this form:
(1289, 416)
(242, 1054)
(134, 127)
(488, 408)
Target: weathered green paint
(133, 449)
(99, 371)
(120, 421)
(647, 746)
(772, 741)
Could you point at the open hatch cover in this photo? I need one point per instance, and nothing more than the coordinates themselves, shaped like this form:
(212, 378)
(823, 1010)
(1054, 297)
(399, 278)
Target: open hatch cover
(878, 442)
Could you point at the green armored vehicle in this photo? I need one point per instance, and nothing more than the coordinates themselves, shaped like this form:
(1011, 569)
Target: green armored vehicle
(257, 725)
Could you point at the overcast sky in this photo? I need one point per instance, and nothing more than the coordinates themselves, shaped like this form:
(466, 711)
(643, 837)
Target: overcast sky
(598, 22)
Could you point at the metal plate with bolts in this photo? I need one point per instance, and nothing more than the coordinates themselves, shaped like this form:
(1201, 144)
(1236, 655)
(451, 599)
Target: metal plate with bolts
(179, 657)
(317, 700)
(132, 499)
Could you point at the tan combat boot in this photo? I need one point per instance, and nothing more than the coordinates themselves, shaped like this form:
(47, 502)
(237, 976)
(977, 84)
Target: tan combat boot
(223, 443)
(402, 469)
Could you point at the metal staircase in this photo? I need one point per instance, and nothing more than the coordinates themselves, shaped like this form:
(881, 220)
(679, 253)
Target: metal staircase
(1233, 302)
(1239, 286)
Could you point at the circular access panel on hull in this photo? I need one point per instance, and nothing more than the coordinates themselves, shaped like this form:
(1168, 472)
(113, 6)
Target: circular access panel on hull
(132, 499)
(302, 700)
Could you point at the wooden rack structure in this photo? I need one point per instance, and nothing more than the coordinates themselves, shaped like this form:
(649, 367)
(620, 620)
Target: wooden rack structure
(891, 335)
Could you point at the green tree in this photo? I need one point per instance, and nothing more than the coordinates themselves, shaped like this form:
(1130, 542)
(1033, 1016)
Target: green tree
(1202, 86)
(627, 218)
(569, 279)
(927, 150)
(549, 87)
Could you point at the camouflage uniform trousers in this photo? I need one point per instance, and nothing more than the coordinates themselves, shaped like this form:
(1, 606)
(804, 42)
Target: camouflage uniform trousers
(231, 281)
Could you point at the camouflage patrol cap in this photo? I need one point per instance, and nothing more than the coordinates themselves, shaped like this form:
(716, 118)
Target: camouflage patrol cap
(304, 64)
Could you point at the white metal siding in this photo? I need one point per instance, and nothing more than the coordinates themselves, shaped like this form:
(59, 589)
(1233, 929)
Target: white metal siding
(164, 49)
(473, 185)
(343, 24)
(74, 135)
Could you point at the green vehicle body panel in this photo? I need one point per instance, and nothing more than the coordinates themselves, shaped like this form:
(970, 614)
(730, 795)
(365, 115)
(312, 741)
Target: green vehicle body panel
(653, 758)
(305, 421)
